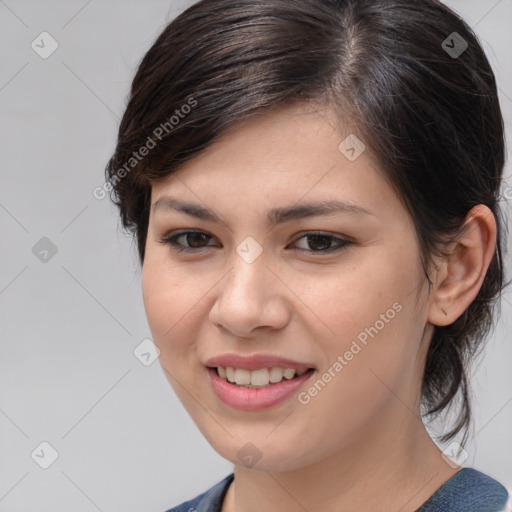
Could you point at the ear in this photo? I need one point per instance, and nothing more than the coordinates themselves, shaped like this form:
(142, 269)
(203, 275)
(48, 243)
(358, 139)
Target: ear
(459, 277)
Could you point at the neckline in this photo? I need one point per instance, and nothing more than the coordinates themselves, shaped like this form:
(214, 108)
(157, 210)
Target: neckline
(219, 491)
(440, 489)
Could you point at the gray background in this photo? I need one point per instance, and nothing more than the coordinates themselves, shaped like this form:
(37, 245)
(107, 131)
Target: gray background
(68, 375)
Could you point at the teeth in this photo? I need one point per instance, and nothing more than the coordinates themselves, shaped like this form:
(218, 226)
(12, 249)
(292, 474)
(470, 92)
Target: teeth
(258, 378)
(276, 374)
(230, 374)
(289, 373)
(242, 377)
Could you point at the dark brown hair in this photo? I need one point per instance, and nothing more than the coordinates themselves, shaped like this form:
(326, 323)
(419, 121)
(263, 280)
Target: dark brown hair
(390, 67)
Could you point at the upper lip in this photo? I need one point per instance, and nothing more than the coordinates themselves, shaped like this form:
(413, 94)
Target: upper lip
(255, 362)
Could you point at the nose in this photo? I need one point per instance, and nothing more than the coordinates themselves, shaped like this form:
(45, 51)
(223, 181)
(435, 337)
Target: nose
(251, 296)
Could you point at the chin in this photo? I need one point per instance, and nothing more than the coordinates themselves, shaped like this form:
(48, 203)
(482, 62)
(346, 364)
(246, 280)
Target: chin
(265, 454)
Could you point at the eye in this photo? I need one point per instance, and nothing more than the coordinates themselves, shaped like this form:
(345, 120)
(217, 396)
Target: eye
(319, 242)
(195, 237)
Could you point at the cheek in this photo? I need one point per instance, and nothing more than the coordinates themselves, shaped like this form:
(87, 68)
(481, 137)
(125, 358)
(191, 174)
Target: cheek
(357, 300)
(168, 302)
(374, 330)
(365, 381)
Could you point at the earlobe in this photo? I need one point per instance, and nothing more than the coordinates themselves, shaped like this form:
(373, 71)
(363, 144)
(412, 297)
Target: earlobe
(462, 273)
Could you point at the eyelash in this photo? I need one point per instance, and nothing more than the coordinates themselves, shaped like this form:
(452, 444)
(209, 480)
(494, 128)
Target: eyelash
(171, 240)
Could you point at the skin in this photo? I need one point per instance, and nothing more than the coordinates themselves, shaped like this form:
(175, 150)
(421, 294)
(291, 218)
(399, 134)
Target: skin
(359, 444)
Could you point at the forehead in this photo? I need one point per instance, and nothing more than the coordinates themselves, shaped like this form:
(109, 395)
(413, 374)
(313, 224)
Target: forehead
(294, 154)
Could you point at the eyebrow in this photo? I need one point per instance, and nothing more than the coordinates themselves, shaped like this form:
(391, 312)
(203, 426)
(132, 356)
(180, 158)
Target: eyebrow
(275, 216)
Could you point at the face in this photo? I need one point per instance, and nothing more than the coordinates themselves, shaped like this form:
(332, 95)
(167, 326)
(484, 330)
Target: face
(337, 292)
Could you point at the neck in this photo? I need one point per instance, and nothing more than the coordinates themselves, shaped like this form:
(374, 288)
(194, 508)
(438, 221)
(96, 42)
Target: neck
(393, 465)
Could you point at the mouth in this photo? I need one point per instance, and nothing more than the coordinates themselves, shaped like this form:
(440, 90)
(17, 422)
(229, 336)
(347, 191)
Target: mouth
(252, 390)
(260, 378)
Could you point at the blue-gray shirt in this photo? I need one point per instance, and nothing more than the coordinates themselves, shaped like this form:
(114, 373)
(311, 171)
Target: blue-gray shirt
(468, 490)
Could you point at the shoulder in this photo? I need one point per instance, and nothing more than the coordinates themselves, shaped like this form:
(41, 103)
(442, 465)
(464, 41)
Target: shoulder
(469, 490)
(208, 501)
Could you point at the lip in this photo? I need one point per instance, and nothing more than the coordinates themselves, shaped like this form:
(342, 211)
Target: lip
(255, 362)
(255, 399)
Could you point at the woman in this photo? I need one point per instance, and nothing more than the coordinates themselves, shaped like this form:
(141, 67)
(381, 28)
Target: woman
(314, 190)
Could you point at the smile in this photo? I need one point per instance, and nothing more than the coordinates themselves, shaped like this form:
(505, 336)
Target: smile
(259, 378)
(253, 397)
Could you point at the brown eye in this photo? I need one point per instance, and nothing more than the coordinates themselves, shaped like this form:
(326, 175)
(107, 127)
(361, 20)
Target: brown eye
(195, 240)
(321, 242)
(317, 243)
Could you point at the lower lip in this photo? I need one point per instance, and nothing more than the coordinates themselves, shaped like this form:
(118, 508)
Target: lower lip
(254, 399)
